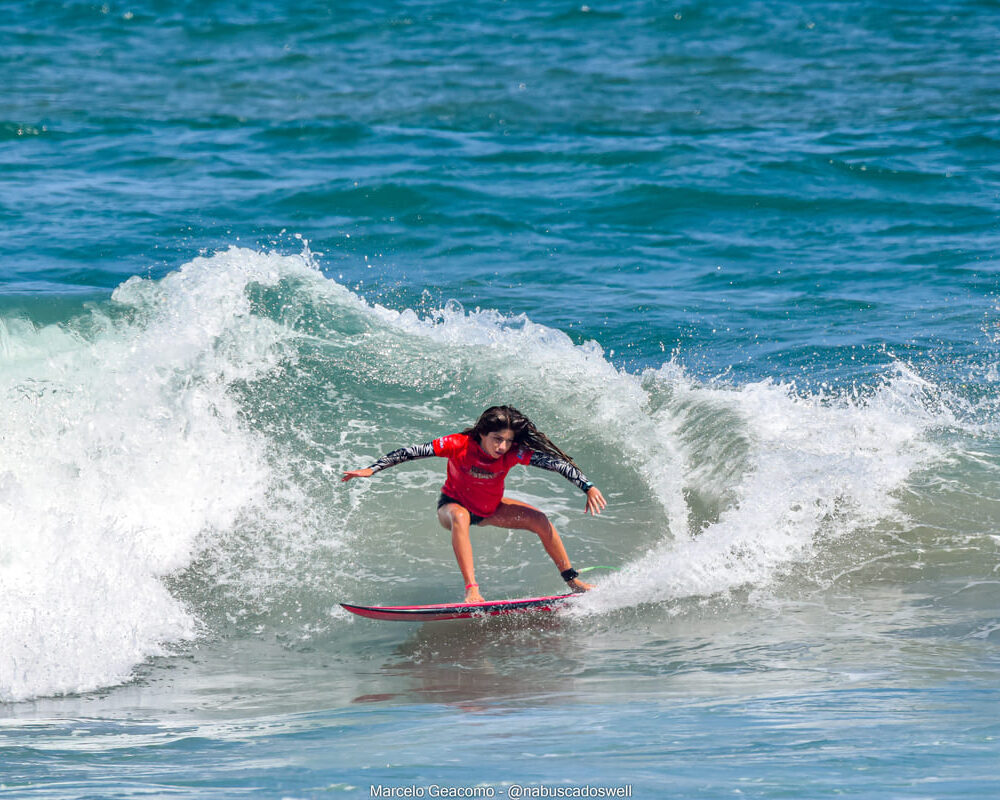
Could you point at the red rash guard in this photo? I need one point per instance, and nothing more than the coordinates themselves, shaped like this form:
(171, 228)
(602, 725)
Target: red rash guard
(474, 479)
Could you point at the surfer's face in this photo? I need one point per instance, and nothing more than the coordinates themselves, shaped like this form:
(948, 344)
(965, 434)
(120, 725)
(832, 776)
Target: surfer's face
(497, 443)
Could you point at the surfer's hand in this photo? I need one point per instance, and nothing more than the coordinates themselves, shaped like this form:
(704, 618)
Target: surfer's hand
(595, 501)
(579, 586)
(357, 473)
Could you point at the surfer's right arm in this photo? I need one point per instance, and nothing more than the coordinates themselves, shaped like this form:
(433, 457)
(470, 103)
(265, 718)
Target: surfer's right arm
(391, 459)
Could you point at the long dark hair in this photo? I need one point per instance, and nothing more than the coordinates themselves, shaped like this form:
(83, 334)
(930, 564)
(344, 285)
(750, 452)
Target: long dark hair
(496, 418)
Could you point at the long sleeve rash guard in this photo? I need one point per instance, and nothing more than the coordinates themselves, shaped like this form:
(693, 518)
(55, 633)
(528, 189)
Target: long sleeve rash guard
(474, 479)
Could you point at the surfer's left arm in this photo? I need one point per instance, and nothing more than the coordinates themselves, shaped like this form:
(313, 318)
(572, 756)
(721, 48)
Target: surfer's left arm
(595, 500)
(391, 459)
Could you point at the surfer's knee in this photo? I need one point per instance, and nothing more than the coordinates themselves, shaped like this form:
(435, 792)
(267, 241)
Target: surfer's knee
(454, 517)
(540, 524)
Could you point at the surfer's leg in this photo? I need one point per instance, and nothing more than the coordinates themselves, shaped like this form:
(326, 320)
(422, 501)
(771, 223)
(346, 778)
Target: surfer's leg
(456, 518)
(521, 516)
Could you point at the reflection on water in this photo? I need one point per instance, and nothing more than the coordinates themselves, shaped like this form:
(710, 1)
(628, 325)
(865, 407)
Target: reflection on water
(477, 663)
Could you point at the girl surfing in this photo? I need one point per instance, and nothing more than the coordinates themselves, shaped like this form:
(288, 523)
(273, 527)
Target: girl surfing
(479, 459)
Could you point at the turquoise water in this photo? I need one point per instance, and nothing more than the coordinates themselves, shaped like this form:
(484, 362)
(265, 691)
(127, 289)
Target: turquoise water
(737, 259)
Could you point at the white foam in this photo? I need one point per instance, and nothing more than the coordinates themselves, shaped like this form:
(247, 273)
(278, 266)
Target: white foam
(121, 448)
(811, 466)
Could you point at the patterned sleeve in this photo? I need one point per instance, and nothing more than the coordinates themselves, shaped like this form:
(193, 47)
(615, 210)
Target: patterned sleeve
(403, 454)
(564, 468)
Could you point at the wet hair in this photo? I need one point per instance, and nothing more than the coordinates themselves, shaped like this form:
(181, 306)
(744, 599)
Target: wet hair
(497, 418)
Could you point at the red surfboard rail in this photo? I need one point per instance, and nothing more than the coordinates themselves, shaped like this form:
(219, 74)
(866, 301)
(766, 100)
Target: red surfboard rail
(442, 611)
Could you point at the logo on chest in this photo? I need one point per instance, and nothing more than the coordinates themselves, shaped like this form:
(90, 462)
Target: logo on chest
(484, 474)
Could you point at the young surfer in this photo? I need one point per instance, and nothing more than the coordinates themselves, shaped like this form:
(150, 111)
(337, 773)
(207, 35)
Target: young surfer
(479, 459)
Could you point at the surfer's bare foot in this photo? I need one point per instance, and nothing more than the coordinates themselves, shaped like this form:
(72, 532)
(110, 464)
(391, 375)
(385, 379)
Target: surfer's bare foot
(473, 596)
(579, 586)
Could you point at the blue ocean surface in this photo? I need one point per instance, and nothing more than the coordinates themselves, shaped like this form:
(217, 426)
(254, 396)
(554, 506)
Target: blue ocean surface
(738, 259)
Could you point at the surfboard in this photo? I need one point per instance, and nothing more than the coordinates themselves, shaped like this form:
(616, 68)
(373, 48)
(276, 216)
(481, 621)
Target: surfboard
(441, 611)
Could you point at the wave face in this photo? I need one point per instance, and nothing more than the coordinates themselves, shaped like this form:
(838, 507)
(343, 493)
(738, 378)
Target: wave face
(171, 463)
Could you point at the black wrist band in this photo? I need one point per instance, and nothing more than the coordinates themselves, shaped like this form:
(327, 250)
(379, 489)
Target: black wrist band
(569, 574)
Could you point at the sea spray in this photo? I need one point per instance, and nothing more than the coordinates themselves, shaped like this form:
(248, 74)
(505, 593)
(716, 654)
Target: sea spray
(122, 447)
(801, 468)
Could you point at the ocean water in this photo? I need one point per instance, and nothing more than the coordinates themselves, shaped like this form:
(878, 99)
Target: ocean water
(738, 259)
